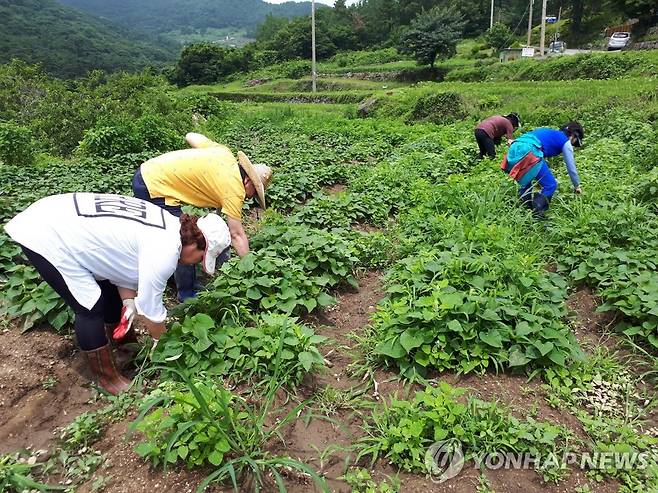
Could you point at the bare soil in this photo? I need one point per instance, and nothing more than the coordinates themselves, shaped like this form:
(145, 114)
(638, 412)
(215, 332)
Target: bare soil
(30, 414)
(30, 409)
(590, 327)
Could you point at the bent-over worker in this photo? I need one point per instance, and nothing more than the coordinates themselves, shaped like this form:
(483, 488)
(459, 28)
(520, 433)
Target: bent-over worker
(87, 246)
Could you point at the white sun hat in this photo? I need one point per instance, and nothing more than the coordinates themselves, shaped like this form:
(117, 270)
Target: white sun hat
(218, 241)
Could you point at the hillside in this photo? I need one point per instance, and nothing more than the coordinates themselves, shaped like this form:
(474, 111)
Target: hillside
(163, 16)
(70, 43)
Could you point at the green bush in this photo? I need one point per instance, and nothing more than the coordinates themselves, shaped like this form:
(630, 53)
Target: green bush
(360, 58)
(120, 136)
(16, 145)
(295, 69)
(111, 140)
(156, 134)
(442, 108)
(204, 105)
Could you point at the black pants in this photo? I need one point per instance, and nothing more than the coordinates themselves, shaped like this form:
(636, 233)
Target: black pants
(89, 324)
(485, 143)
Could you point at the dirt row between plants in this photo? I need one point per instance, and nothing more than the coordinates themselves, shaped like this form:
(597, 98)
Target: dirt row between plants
(350, 315)
(44, 386)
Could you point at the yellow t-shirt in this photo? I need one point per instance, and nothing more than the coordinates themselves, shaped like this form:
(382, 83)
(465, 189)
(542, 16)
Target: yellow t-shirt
(205, 177)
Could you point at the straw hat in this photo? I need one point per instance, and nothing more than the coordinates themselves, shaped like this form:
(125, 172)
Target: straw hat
(260, 175)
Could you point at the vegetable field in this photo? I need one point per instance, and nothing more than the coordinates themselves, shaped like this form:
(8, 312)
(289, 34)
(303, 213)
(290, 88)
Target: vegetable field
(396, 296)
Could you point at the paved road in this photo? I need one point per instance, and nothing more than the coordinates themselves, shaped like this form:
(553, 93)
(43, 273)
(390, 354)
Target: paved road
(570, 51)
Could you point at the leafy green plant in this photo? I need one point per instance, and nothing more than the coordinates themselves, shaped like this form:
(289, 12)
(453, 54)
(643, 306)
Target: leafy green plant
(457, 310)
(374, 250)
(199, 422)
(16, 145)
(627, 281)
(361, 482)
(401, 431)
(25, 296)
(647, 187)
(15, 475)
(326, 255)
(242, 354)
(260, 281)
(291, 273)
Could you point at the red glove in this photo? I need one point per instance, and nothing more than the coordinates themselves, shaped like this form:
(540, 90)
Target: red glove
(127, 316)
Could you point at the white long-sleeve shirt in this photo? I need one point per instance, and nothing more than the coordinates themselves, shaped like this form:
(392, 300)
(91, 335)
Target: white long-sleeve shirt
(88, 236)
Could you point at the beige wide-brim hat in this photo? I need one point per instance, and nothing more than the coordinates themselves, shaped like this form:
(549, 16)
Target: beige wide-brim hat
(259, 174)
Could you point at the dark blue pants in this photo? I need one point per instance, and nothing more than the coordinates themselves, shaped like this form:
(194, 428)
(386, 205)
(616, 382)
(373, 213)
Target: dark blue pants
(546, 181)
(185, 275)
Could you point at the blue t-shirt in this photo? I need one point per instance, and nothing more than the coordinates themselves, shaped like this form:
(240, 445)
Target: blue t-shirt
(555, 142)
(552, 141)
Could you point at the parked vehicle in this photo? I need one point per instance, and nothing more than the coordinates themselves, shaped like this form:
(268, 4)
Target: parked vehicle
(619, 40)
(557, 47)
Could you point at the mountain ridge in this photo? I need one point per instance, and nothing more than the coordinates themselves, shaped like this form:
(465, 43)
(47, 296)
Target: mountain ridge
(69, 43)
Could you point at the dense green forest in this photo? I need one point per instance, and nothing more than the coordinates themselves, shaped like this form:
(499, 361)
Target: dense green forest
(162, 16)
(70, 43)
(382, 22)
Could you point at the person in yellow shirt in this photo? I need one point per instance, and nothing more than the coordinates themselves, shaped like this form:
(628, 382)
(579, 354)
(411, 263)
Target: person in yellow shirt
(207, 175)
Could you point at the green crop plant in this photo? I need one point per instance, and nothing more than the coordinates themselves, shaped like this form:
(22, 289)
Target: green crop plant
(242, 354)
(401, 431)
(458, 310)
(260, 281)
(325, 255)
(361, 481)
(27, 297)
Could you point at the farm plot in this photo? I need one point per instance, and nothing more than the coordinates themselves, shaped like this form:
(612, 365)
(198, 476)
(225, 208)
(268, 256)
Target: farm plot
(396, 297)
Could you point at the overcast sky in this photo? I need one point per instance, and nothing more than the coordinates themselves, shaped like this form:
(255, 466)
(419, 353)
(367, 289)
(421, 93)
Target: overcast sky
(326, 2)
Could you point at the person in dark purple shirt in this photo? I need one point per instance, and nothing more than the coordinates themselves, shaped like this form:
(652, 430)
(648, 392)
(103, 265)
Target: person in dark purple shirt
(490, 132)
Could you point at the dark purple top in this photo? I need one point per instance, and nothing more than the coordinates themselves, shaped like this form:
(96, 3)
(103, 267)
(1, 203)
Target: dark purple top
(497, 126)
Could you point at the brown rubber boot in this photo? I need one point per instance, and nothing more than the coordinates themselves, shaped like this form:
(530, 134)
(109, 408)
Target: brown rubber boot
(101, 363)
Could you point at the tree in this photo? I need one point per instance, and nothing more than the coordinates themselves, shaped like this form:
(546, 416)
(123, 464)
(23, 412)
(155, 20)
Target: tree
(294, 40)
(206, 63)
(499, 36)
(433, 34)
(271, 25)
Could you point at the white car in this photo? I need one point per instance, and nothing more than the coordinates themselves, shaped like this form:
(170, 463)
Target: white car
(619, 40)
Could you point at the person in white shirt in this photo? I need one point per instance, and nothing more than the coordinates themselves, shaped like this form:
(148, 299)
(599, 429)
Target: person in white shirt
(89, 247)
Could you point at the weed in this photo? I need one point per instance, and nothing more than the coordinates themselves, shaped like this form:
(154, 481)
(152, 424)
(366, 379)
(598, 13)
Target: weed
(16, 475)
(49, 383)
(362, 482)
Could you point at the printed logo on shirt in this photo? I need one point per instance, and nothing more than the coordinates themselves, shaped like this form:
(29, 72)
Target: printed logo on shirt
(108, 205)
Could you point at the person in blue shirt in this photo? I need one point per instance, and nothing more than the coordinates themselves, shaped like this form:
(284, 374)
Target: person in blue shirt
(553, 143)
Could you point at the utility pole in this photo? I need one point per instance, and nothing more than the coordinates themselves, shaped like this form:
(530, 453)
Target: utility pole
(492, 14)
(530, 22)
(542, 42)
(314, 75)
